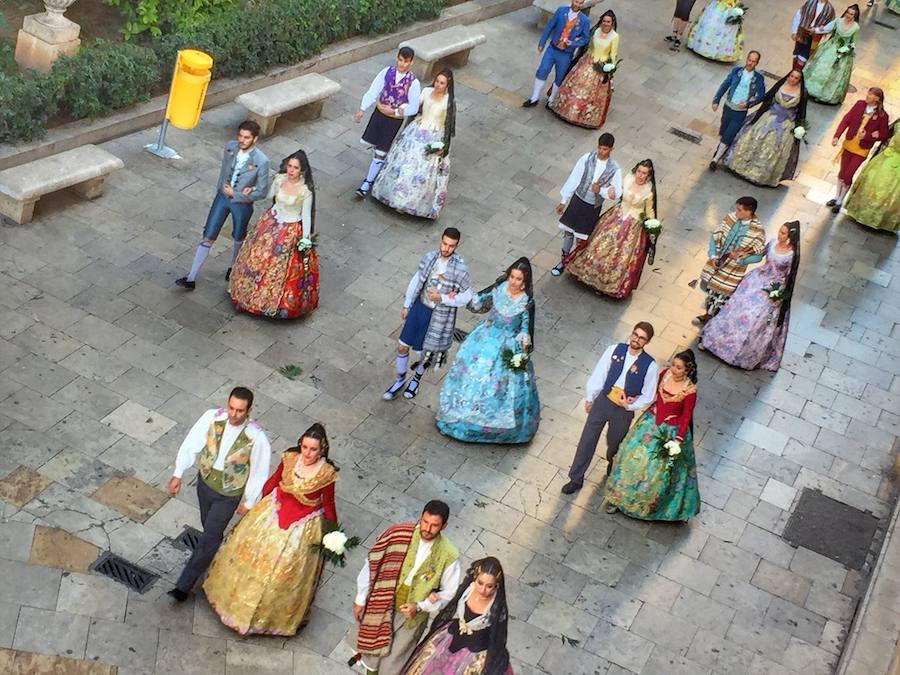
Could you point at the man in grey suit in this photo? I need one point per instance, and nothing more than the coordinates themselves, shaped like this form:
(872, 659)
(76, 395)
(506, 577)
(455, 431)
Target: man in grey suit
(243, 178)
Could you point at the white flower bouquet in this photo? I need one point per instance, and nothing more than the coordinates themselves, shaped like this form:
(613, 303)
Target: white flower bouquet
(668, 450)
(514, 360)
(799, 132)
(774, 291)
(306, 244)
(672, 447)
(606, 68)
(845, 48)
(335, 545)
(735, 15)
(434, 147)
(652, 226)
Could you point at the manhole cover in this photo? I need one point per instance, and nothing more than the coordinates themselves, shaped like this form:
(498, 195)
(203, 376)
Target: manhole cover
(116, 568)
(187, 540)
(831, 528)
(459, 334)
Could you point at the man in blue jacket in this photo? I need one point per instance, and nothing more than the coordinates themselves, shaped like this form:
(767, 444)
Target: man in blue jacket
(746, 88)
(567, 30)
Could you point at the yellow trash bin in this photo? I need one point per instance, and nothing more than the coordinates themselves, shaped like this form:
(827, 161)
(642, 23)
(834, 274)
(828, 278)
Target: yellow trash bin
(193, 71)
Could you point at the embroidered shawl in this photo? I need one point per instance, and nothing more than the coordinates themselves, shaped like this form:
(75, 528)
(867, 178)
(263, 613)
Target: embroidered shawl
(439, 336)
(808, 18)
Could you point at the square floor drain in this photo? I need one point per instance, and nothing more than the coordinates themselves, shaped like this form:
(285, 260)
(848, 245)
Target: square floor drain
(116, 568)
(831, 528)
(187, 540)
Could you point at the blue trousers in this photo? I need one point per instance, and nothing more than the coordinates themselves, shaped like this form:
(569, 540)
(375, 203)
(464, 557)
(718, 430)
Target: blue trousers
(554, 59)
(218, 212)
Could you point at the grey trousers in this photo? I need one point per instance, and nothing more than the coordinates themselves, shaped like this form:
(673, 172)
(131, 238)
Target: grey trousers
(403, 643)
(602, 413)
(215, 513)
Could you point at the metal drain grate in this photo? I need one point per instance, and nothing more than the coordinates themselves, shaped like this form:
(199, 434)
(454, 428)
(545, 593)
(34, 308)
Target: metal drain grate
(770, 75)
(885, 24)
(691, 136)
(119, 569)
(459, 334)
(831, 528)
(187, 540)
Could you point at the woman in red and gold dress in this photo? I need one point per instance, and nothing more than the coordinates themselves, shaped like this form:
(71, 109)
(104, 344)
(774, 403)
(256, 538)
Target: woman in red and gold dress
(654, 476)
(264, 577)
(276, 272)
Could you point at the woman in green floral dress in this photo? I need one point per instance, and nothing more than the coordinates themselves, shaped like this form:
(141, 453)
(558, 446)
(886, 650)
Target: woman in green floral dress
(893, 5)
(654, 476)
(827, 73)
(874, 198)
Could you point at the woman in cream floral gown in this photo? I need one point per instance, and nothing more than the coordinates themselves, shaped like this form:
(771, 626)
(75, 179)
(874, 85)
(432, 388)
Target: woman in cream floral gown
(713, 37)
(612, 258)
(272, 276)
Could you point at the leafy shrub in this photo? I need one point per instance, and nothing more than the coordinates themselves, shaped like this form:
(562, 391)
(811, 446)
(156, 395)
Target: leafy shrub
(384, 16)
(27, 101)
(158, 16)
(105, 76)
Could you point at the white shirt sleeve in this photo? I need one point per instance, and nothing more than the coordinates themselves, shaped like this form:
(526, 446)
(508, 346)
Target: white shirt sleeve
(568, 188)
(193, 443)
(827, 28)
(462, 298)
(371, 95)
(260, 455)
(411, 107)
(362, 584)
(598, 377)
(449, 584)
(648, 391)
(307, 216)
(412, 290)
(795, 23)
(615, 184)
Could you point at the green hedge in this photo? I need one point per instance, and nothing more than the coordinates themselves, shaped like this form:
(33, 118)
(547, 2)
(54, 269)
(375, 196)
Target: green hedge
(106, 76)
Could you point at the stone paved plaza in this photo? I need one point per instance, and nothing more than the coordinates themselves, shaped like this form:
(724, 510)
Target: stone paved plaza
(105, 365)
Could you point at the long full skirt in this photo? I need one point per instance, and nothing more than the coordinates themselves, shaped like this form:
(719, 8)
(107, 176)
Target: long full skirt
(712, 37)
(745, 333)
(583, 98)
(764, 153)
(643, 485)
(874, 198)
(433, 657)
(270, 276)
(482, 400)
(827, 73)
(263, 579)
(893, 5)
(411, 181)
(613, 258)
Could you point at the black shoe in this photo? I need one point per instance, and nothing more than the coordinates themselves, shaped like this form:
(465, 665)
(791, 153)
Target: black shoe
(676, 46)
(836, 208)
(571, 487)
(713, 165)
(529, 103)
(670, 38)
(186, 284)
(363, 190)
(391, 392)
(228, 274)
(412, 389)
(558, 270)
(178, 594)
(831, 202)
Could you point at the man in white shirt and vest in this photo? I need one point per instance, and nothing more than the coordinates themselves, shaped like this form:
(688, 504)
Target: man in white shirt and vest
(623, 381)
(234, 465)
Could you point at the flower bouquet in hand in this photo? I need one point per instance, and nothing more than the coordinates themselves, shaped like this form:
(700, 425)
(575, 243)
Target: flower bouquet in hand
(845, 48)
(606, 68)
(434, 148)
(800, 129)
(775, 291)
(668, 450)
(736, 14)
(306, 244)
(335, 544)
(653, 228)
(514, 360)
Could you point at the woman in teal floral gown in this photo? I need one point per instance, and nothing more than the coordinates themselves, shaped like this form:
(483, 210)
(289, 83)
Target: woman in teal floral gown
(489, 394)
(874, 197)
(654, 476)
(827, 73)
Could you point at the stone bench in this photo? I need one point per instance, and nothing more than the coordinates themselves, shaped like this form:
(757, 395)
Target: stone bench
(547, 7)
(448, 47)
(306, 94)
(83, 169)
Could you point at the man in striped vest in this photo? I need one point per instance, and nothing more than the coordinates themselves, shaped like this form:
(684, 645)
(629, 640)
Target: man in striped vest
(411, 570)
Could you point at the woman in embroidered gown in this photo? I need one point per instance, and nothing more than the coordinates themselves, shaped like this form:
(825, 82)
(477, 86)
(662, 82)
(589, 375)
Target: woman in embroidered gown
(712, 35)
(271, 276)
(483, 398)
(874, 197)
(647, 482)
(468, 636)
(417, 169)
(264, 577)
(827, 73)
(893, 5)
(765, 151)
(584, 96)
(612, 259)
(750, 330)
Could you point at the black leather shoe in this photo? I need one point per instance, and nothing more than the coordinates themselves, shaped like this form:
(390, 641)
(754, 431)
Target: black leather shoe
(228, 274)
(177, 594)
(529, 103)
(831, 202)
(836, 208)
(713, 165)
(570, 488)
(186, 284)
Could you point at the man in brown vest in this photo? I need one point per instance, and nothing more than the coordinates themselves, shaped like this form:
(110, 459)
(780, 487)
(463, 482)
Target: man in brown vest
(234, 465)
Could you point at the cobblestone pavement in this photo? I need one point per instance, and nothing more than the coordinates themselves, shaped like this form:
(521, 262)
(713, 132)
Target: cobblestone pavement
(105, 365)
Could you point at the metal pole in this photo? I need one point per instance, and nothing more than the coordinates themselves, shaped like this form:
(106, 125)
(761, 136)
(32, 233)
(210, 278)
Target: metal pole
(160, 149)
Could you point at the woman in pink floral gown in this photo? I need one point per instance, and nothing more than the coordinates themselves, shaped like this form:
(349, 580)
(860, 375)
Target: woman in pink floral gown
(751, 328)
